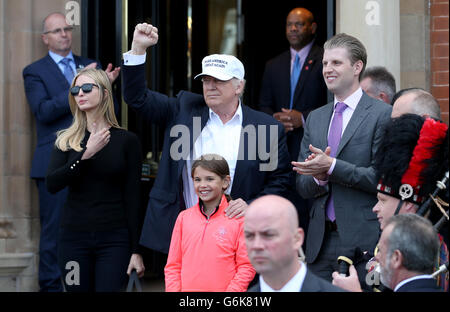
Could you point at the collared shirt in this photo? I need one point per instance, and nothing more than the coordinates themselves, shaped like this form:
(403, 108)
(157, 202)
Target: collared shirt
(351, 101)
(295, 284)
(132, 59)
(411, 279)
(302, 54)
(57, 59)
(218, 138)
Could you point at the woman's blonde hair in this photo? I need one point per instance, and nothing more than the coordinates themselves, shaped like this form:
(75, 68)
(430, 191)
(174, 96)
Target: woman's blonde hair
(71, 137)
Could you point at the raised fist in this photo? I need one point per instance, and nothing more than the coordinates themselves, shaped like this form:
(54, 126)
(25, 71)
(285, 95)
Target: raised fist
(145, 35)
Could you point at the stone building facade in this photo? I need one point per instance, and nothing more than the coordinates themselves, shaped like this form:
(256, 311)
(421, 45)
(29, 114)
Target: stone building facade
(20, 45)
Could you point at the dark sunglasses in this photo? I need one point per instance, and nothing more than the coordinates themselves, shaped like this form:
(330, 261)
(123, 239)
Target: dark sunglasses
(87, 87)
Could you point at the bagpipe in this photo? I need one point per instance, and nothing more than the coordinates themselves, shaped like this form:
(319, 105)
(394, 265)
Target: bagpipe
(442, 269)
(434, 198)
(354, 256)
(441, 185)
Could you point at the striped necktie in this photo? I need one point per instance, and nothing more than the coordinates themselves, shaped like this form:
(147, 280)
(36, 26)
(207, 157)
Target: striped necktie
(68, 72)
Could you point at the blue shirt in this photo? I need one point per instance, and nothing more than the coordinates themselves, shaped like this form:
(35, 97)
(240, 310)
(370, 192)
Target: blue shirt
(57, 58)
(302, 54)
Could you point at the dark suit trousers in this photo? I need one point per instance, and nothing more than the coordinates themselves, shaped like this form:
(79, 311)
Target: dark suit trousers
(302, 205)
(326, 262)
(50, 207)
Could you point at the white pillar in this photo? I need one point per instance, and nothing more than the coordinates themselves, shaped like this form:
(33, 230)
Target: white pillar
(376, 23)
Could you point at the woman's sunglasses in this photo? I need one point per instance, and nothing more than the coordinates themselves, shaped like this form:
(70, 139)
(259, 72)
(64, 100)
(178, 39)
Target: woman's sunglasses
(87, 87)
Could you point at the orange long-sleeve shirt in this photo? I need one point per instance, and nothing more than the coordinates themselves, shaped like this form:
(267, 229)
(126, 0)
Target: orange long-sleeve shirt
(208, 254)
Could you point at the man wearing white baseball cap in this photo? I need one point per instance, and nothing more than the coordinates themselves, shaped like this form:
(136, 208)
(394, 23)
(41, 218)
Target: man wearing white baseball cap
(252, 142)
(222, 66)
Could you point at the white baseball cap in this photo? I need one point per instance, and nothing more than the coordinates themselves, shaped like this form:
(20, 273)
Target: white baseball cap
(222, 66)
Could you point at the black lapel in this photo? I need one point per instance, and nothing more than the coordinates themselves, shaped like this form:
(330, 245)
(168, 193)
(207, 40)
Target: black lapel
(79, 65)
(203, 114)
(285, 72)
(54, 70)
(310, 61)
(241, 163)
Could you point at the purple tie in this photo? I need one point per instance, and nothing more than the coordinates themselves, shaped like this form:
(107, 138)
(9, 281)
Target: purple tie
(334, 137)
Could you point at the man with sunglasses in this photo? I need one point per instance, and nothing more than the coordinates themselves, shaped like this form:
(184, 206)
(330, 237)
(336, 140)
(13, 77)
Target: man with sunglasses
(47, 82)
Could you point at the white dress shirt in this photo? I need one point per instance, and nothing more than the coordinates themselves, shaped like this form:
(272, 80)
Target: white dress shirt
(295, 284)
(132, 59)
(216, 137)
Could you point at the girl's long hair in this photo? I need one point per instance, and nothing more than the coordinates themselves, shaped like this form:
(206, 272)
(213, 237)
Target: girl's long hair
(71, 137)
(214, 163)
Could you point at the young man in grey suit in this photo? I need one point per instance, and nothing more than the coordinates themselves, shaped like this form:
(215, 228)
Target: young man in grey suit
(335, 164)
(273, 239)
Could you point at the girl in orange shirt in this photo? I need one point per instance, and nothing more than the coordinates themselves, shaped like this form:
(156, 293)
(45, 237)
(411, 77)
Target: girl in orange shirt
(207, 251)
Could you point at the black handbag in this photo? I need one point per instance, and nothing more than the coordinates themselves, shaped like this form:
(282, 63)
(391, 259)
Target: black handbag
(134, 280)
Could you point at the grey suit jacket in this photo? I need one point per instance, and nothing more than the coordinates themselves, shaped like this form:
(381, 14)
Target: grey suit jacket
(353, 179)
(312, 283)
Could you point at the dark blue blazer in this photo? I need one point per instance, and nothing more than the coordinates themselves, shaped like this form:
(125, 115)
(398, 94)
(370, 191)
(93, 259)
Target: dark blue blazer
(166, 199)
(312, 283)
(47, 91)
(310, 92)
(420, 285)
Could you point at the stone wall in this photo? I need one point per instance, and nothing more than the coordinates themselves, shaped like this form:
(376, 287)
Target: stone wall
(20, 45)
(376, 25)
(414, 44)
